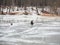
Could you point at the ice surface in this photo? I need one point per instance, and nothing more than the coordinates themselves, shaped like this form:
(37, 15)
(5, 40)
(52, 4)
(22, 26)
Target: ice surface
(45, 31)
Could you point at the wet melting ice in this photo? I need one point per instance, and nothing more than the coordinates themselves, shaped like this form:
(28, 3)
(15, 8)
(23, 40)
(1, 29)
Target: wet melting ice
(25, 34)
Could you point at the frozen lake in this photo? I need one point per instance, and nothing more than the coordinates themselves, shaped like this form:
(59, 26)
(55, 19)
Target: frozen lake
(43, 32)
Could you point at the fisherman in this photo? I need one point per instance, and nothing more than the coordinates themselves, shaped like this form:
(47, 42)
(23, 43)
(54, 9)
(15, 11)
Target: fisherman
(32, 22)
(11, 23)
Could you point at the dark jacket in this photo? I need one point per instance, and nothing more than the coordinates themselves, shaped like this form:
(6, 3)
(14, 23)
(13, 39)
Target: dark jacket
(32, 22)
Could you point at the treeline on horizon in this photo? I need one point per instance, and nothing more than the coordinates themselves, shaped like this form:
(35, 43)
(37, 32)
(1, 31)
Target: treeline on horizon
(54, 4)
(30, 3)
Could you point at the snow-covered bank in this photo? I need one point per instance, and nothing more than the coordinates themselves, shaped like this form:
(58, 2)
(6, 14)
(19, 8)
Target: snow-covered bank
(30, 10)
